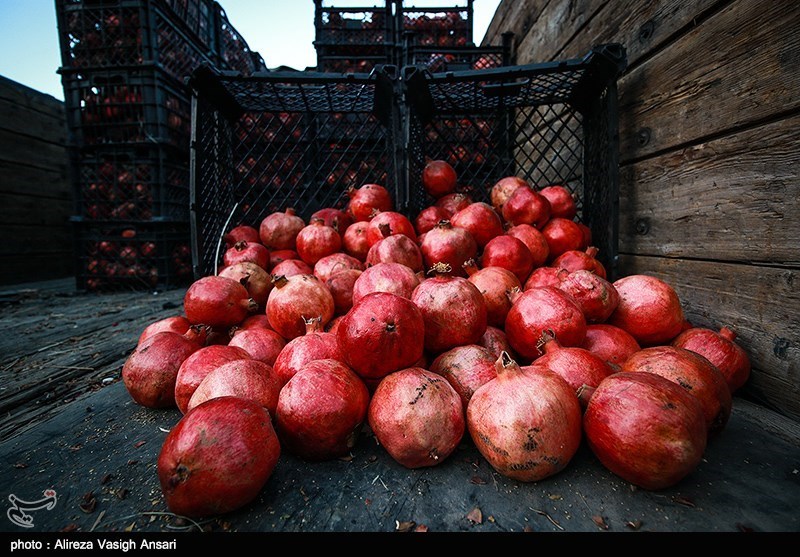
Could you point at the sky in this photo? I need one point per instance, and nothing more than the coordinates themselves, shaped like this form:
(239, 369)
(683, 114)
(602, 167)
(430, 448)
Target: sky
(282, 31)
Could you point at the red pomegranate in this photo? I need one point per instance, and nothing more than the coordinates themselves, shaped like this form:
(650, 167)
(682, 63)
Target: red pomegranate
(429, 217)
(544, 276)
(453, 311)
(449, 245)
(509, 253)
(453, 203)
(281, 255)
(609, 343)
(255, 321)
(218, 302)
(526, 206)
(417, 416)
(260, 344)
(397, 248)
(503, 189)
(175, 324)
(329, 265)
(294, 299)
(527, 424)
(194, 369)
(382, 333)
(541, 309)
(200, 478)
(367, 199)
(291, 267)
(576, 260)
(314, 345)
(246, 251)
(337, 219)
(341, 286)
(596, 297)
(496, 342)
(494, 283)
(321, 410)
(253, 277)
(649, 309)
(385, 277)
(438, 178)
(466, 368)
(316, 241)
(692, 372)
(388, 223)
(151, 369)
(534, 240)
(248, 379)
(587, 236)
(278, 231)
(720, 349)
(562, 235)
(562, 202)
(653, 457)
(354, 241)
(241, 233)
(482, 222)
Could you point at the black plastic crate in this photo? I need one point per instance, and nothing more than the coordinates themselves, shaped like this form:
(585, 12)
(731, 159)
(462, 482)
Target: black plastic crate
(349, 64)
(352, 29)
(198, 16)
(234, 53)
(451, 59)
(552, 123)
(127, 106)
(436, 26)
(132, 184)
(129, 33)
(132, 256)
(284, 139)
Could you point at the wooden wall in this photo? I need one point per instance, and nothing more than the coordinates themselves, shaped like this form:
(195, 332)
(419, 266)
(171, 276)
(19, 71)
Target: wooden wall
(35, 192)
(709, 155)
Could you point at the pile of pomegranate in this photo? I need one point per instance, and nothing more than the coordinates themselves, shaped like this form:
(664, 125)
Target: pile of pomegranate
(490, 323)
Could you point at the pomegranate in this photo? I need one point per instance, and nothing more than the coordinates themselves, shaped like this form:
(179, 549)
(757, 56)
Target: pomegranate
(596, 297)
(526, 206)
(397, 248)
(246, 251)
(253, 277)
(337, 219)
(653, 457)
(341, 286)
(562, 235)
(496, 342)
(329, 265)
(576, 260)
(316, 241)
(540, 309)
(385, 277)
(692, 372)
(278, 231)
(417, 416)
(290, 268)
(450, 245)
(544, 276)
(321, 410)
(453, 311)
(509, 253)
(429, 217)
(649, 309)
(365, 200)
(316, 344)
(503, 189)
(721, 350)
(218, 302)
(175, 324)
(280, 255)
(256, 321)
(333, 325)
(388, 223)
(249, 379)
(241, 233)
(382, 333)
(438, 178)
(466, 368)
(494, 284)
(609, 343)
(482, 222)
(453, 203)
(218, 457)
(355, 242)
(562, 202)
(260, 344)
(534, 240)
(295, 298)
(151, 369)
(195, 367)
(526, 424)
(577, 366)
(587, 235)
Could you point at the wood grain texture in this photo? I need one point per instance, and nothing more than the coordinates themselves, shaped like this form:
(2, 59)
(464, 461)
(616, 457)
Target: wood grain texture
(22, 179)
(18, 268)
(516, 16)
(30, 123)
(558, 21)
(761, 303)
(731, 199)
(25, 97)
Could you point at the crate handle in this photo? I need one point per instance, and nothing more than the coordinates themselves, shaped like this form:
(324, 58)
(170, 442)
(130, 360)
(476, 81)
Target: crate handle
(503, 89)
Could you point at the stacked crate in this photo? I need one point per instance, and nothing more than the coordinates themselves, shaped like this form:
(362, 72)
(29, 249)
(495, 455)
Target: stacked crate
(124, 65)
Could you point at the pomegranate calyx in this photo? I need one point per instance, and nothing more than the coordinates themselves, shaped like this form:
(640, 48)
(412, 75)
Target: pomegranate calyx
(440, 268)
(240, 245)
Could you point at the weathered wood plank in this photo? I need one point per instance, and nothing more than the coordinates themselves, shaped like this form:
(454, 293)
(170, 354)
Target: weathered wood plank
(23, 96)
(517, 16)
(732, 199)
(761, 303)
(32, 124)
(40, 211)
(15, 269)
(32, 151)
(30, 239)
(51, 181)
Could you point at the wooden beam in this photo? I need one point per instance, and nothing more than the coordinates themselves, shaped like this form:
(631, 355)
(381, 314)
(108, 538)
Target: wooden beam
(21, 178)
(31, 123)
(24, 96)
(517, 16)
